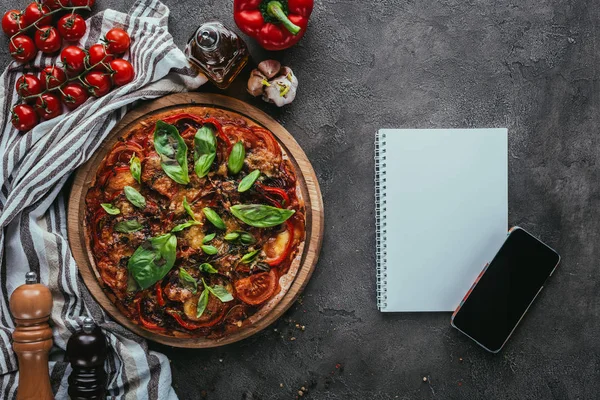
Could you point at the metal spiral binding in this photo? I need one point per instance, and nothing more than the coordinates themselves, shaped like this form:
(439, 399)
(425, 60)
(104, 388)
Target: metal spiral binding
(380, 222)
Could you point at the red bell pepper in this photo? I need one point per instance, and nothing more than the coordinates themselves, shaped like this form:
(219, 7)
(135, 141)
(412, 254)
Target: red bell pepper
(275, 24)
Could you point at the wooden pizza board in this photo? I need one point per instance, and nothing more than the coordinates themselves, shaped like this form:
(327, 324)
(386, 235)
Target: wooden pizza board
(310, 193)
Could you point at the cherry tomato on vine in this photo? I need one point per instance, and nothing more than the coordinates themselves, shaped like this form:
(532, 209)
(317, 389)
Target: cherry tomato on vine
(47, 39)
(97, 54)
(71, 27)
(34, 12)
(52, 76)
(48, 106)
(121, 72)
(12, 22)
(117, 41)
(24, 117)
(83, 3)
(22, 48)
(55, 4)
(99, 82)
(74, 95)
(73, 59)
(28, 85)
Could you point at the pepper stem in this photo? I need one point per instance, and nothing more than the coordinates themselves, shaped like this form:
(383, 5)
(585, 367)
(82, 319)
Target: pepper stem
(275, 10)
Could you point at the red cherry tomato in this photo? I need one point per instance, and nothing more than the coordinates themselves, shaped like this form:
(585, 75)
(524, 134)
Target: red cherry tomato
(122, 72)
(48, 106)
(12, 22)
(24, 117)
(47, 39)
(117, 41)
(34, 12)
(52, 76)
(73, 59)
(55, 4)
(74, 95)
(99, 82)
(97, 54)
(83, 3)
(257, 288)
(71, 27)
(22, 48)
(28, 85)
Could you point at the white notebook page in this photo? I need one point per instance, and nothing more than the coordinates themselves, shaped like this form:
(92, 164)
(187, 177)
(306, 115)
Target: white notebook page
(446, 213)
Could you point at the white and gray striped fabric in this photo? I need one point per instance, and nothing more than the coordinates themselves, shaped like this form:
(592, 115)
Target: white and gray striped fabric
(34, 168)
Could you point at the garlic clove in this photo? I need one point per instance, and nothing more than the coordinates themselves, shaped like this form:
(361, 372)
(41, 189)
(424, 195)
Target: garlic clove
(269, 68)
(282, 90)
(256, 83)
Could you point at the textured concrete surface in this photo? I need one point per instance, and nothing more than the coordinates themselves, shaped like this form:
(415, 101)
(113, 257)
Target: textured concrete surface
(530, 66)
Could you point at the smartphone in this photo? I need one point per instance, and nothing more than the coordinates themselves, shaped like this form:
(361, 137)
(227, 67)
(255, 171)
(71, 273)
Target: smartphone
(505, 290)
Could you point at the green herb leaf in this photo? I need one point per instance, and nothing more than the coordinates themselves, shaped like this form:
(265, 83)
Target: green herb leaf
(109, 208)
(247, 238)
(214, 218)
(202, 303)
(128, 226)
(210, 250)
(230, 237)
(205, 150)
(135, 166)
(249, 257)
(188, 209)
(248, 181)
(206, 267)
(220, 293)
(173, 152)
(208, 238)
(180, 227)
(134, 197)
(153, 259)
(260, 215)
(236, 158)
(186, 278)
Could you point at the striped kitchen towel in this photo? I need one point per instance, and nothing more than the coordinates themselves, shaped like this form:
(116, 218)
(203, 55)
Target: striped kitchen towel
(33, 170)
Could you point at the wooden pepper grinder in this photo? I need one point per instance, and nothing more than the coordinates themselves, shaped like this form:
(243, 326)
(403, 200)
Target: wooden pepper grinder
(86, 351)
(30, 306)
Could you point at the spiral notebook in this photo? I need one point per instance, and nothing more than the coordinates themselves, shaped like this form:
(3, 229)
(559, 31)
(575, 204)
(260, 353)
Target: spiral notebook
(441, 213)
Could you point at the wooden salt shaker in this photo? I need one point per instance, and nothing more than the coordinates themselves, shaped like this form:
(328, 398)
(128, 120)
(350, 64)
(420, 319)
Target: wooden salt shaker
(30, 306)
(86, 351)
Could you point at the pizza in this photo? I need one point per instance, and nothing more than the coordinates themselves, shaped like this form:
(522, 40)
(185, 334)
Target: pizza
(195, 222)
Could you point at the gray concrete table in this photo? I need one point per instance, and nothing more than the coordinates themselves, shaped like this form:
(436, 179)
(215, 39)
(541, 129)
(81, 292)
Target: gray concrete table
(530, 66)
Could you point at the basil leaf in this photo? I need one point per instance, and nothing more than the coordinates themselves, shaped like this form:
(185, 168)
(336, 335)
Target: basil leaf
(249, 257)
(188, 209)
(230, 237)
(220, 293)
(186, 278)
(134, 197)
(208, 238)
(109, 208)
(210, 250)
(128, 226)
(153, 259)
(248, 181)
(261, 216)
(202, 303)
(180, 227)
(173, 152)
(135, 166)
(213, 217)
(206, 267)
(247, 238)
(235, 162)
(205, 150)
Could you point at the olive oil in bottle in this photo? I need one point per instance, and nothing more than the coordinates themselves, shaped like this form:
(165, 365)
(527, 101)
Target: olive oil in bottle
(218, 52)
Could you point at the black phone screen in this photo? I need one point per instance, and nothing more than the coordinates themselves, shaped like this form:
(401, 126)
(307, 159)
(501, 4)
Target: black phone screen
(504, 292)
